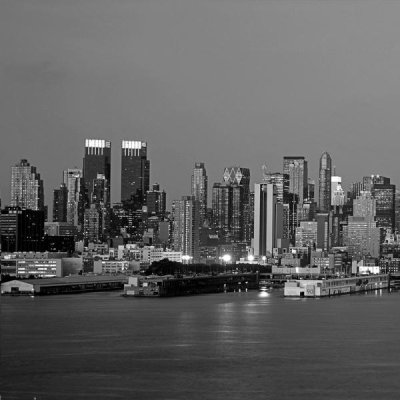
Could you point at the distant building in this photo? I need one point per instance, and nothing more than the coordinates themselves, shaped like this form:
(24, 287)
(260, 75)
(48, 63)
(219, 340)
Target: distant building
(185, 214)
(268, 220)
(26, 187)
(135, 170)
(200, 189)
(60, 204)
(21, 230)
(73, 180)
(97, 160)
(325, 173)
(297, 169)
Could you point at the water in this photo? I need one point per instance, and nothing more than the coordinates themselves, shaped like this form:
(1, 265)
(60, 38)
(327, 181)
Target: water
(222, 346)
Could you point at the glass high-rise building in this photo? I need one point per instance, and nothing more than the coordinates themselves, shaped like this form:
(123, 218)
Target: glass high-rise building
(186, 227)
(297, 169)
(97, 160)
(325, 174)
(60, 204)
(73, 180)
(200, 189)
(26, 187)
(135, 171)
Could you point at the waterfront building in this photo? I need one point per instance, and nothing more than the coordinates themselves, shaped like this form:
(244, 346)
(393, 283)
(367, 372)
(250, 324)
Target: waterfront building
(200, 189)
(26, 187)
(135, 170)
(325, 174)
(96, 161)
(297, 169)
(185, 214)
(60, 204)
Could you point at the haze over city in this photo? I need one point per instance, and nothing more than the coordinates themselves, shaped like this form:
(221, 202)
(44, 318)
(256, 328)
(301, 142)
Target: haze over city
(226, 83)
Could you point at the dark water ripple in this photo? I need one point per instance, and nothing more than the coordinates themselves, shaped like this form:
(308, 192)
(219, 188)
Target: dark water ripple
(223, 346)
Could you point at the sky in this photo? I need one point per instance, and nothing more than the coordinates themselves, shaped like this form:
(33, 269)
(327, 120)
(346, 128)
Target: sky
(224, 82)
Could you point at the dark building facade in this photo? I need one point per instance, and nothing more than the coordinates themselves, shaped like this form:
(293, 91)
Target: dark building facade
(21, 230)
(97, 161)
(135, 170)
(60, 203)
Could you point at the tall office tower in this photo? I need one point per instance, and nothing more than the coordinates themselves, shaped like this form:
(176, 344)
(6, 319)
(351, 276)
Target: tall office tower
(365, 206)
(26, 187)
(97, 160)
(93, 225)
(306, 234)
(135, 171)
(362, 237)
(200, 189)
(338, 196)
(297, 169)
(186, 227)
(222, 209)
(228, 211)
(239, 176)
(268, 220)
(73, 180)
(325, 174)
(384, 194)
(281, 182)
(323, 231)
(100, 194)
(156, 201)
(21, 230)
(60, 202)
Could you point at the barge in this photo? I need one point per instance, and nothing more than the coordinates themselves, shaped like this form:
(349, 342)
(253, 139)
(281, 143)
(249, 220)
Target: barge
(335, 286)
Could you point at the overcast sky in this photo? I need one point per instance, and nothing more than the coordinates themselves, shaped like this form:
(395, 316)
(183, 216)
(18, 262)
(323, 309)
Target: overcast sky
(225, 82)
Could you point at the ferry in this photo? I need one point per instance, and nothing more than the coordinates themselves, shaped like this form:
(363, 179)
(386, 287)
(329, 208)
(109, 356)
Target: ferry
(335, 286)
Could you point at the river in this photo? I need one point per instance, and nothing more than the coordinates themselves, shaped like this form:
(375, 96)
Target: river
(245, 345)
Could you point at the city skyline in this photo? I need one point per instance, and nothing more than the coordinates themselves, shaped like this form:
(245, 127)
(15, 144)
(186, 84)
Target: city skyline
(224, 85)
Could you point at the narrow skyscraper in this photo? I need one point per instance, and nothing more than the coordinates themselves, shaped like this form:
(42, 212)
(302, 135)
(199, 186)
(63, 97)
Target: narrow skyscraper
(97, 160)
(135, 171)
(186, 227)
(26, 187)
(200, 189)
(325, 174)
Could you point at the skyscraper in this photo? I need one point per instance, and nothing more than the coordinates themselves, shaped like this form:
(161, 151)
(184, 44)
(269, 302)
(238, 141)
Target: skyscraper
(186, 227)
(268, 219)
(73, 180)
(60, 202)
(200, 188)
(156, 201)
(26, 187)
(135, 171)
(325, 174)
(97, 160)
(297, 169)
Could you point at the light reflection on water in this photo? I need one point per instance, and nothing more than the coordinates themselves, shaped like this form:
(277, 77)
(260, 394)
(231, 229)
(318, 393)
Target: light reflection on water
(246, 345)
